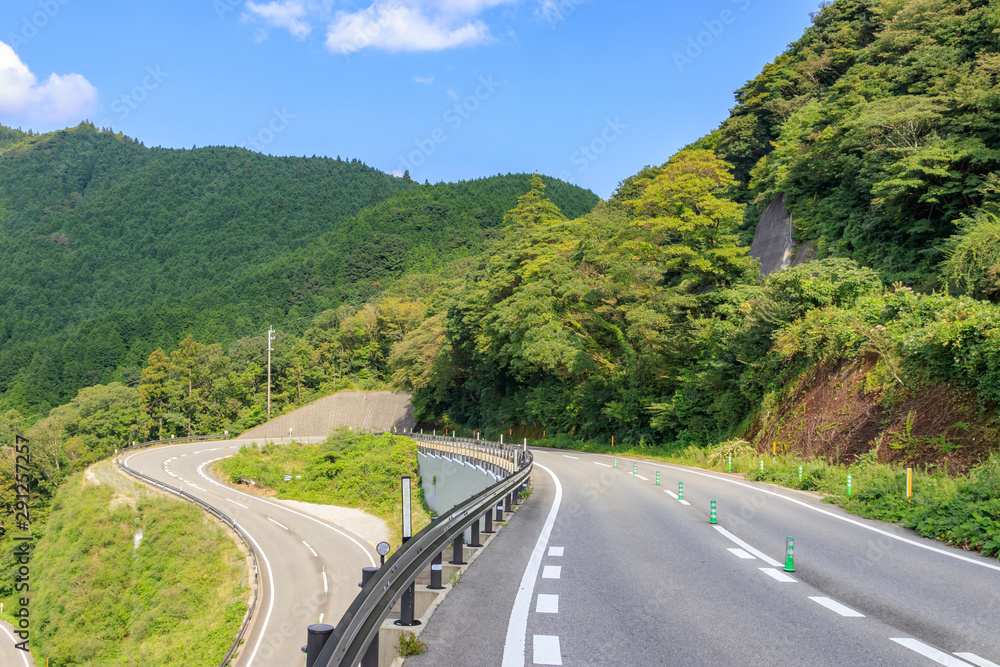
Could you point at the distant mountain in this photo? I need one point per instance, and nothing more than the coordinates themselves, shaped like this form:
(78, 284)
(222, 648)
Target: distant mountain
(109, 249)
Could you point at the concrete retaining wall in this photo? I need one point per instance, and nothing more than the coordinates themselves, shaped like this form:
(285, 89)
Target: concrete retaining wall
(359, 410)
(447, 482)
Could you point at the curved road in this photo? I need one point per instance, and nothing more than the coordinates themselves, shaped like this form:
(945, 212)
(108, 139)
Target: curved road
(605, 567)
(8, 654)
(309, 569)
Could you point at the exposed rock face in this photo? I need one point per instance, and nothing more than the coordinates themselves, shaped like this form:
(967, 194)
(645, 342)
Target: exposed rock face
(772, 243)
(367, 410)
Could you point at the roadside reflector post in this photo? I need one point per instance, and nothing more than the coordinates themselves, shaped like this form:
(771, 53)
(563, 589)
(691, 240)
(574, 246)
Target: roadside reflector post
(762, 465)
(616, 462)
(635, 467)
(657, 477)
(848, 483)
(909, 485)
(730, 463)
(680, 492)
(713, 519)
(436, 567)
(800, 473)
(789, 554)
(316, 637)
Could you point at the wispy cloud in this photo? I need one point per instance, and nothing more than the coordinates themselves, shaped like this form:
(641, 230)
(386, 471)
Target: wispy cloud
(61, 98)
(403, 27)
(290, 15)
(426, 80)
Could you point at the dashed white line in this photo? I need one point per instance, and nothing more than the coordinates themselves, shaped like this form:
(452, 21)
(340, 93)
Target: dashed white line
(923, 649)
(835, 606)
(547, 604)
(546, 650)
(602, 464)
(571, 457)
(238, 503)
(740, 553)
(310, 549)
(551, 572)
(555, 551)
(777, 576)
(276, 523)
(759, 554)
(976, 660)
(326, 589)
(645, 479)
(195, 486)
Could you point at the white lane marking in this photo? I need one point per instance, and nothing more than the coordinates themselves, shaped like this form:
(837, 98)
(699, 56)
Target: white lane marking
(759, 554)
(238, 503)
(602, 464)
(672, 494)
(571, 457)
(684, 502)
(24, 654)
(310, 549)
(321, 618)
(828, 513)
(326, 588)
(552, 572)
(835, 606)
(739, 553)
(195, 486)
(778, 576)
(276, 523)
(270, 603)
(976, 660)
(546, 650)
(547, 604)
(517, 627)
(645, 479)
(923, 649)
(555, 551)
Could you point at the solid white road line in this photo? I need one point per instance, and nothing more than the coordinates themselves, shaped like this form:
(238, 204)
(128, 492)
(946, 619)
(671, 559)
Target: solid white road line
(739, 553)
(270, 601)
(24, 654)
(310, 549)
(555, 551)
(547, 604)
(835, 606)
(923, 649)
(759, 554)
(546, 650)
(777, 576)
(517, 627)
(551, 572)
(976, 660)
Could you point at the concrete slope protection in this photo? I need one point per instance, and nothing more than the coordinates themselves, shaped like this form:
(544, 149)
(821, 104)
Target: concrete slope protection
(309, 569)
(772, 241)
(635, 573)
(358, 410)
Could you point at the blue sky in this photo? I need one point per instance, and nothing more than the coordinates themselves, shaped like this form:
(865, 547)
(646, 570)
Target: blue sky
(585, 90)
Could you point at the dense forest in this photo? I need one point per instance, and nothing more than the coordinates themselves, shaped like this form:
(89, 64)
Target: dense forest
(523, 302)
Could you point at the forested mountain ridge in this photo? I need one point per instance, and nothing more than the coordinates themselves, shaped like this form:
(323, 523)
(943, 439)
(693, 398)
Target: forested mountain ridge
(881, 127)
(110, 250)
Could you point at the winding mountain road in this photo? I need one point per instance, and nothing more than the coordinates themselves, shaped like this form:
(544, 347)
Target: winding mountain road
(603, 566)
(309, 569)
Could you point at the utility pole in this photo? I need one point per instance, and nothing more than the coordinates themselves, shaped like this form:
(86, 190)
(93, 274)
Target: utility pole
(270, 332)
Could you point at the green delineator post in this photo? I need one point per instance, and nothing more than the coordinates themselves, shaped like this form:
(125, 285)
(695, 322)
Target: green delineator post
(762, 465)
(800, 473)
(730, 463)
(713, 519)
(616, 462)
(848, 483)
(657, 477)
(635, 467)
(680, 490)
(789, 558)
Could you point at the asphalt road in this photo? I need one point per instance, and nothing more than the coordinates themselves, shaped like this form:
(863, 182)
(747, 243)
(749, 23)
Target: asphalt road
(10, 656)
(309, 569)
(605, 567)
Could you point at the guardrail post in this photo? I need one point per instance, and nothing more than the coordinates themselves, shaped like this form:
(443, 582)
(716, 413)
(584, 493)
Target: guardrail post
(488, 518)
(507, 502)
(458, 549)
(499, 517)
(316, 638)
(474, 538)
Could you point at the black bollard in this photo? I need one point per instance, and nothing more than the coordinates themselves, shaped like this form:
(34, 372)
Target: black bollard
(436, 568)
(458, 549)
(315, 641)
(499, 517)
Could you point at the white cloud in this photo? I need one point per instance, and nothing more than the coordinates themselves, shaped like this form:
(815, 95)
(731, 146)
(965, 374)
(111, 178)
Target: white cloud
(426, 80)
(290, 15)
(401, 27)
(60, 99)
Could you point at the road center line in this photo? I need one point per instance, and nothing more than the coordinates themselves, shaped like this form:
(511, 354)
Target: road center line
(602, 464)
(746, 547)
(571, 457)
(645, 479)
(276, 523)
(835, 606)
(517, 627)
(923, 649)
(740, 553)
(777, 575)
(976, 660)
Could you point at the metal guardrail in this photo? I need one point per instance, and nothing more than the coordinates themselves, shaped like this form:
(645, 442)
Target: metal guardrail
(211, 510)
(360, 624)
